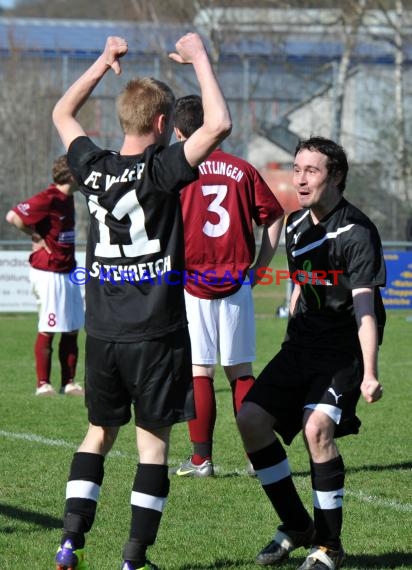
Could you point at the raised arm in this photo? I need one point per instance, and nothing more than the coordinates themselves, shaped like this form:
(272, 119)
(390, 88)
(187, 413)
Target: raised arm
(66, 109)
(217, 123)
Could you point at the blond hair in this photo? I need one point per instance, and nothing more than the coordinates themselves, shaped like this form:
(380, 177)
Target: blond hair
(139, 103)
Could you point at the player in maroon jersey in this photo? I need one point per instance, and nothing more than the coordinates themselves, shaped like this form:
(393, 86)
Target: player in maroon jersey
(137, 343)
(219, 213)
(48, 218)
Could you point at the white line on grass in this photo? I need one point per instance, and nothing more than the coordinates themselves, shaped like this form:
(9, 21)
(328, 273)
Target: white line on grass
(360, 495)
(36, 438)
(363, 497)
(32, 437)
(386, 503)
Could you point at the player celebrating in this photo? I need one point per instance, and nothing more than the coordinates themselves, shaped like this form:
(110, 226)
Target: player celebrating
(328, 358)
(218, 215)
(137, 346)
(48, 218)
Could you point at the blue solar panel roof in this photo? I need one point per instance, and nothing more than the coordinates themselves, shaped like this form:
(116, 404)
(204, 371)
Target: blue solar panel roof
(84, 38)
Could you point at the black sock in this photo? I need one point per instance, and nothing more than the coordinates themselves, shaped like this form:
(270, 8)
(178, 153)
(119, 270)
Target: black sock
(327, 483)
(83, 487)
(150, 490)
(272, 469)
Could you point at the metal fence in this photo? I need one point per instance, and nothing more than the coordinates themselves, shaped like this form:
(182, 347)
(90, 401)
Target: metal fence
(279, 88)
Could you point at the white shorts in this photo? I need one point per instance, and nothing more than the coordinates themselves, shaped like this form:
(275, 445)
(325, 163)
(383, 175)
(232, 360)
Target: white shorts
(59, 301)
(225, 326)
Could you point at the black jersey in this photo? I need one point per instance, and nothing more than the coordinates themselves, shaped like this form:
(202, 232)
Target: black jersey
(329, 259)
(135, 249)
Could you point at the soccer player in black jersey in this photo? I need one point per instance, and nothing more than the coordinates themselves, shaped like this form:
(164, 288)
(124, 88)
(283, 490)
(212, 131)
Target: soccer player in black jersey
(328, 357)
(137, 346)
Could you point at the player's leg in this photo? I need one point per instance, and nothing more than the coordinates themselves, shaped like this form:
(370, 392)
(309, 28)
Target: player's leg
(241, 379)
(148, 497)
(60, 310)
(43, 349)
(68, 355)
(108, 404)
(159, 380)
(237, 342)
(82, 494)
(269, 406)
(70, 318)
(238, 345)
(42, 283)
(330, 410)
(327, 477)
(202, 316)
(201, 429)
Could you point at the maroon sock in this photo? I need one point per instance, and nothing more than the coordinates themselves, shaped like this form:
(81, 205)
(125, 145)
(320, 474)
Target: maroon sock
(201, 428)
(68, 352)
(240, 387)
(43, 356)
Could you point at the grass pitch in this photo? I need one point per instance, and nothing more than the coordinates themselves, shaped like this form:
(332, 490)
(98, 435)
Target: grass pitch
(214, 523)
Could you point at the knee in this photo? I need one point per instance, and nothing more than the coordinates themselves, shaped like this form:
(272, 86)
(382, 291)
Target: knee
(99, 439)
(250, 419)
(109, 437)
(312, 433)
(318, 434)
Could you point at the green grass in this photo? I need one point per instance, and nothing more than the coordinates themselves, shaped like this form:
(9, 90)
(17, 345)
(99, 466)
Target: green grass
(212, 523)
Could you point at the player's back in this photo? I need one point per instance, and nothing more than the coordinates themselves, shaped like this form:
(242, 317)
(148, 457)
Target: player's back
(219, 210)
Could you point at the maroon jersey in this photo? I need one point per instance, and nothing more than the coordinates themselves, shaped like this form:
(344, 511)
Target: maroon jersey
(218, 212)
(51, 214)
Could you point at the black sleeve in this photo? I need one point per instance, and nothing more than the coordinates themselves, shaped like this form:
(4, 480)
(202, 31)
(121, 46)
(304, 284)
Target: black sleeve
(81, 154)
(170, 170)
(364, 258)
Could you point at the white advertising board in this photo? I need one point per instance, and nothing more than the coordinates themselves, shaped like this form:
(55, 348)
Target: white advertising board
(15, 288)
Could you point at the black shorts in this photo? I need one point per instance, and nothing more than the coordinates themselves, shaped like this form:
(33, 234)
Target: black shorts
(155, 376)
(296, 378)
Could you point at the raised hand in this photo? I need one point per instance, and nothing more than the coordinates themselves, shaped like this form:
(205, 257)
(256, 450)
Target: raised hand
(115, 48)
(188, 48)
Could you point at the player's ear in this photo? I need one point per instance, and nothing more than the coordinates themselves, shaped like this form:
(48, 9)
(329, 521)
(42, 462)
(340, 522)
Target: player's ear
(159, 124)
(163, 128)
(178, 134)
(337, 179)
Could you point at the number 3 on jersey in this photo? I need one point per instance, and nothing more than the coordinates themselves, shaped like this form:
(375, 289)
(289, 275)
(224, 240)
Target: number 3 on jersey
(221, 227)
(128, 205)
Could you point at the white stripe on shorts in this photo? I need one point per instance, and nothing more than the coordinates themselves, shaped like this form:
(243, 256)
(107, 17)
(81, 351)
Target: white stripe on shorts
(273, 474)
(147, 501)
(327, 500)
(78, 489)
(332, 411)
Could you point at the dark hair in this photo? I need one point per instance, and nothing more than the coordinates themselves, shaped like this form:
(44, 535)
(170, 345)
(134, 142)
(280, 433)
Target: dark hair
(188, 114)
(337, 161)
(61, 172)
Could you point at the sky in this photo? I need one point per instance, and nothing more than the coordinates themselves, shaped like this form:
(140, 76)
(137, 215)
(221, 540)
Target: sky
(7, 3)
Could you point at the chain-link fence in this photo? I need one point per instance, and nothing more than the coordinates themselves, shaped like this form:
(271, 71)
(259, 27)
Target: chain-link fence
(275, 97)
